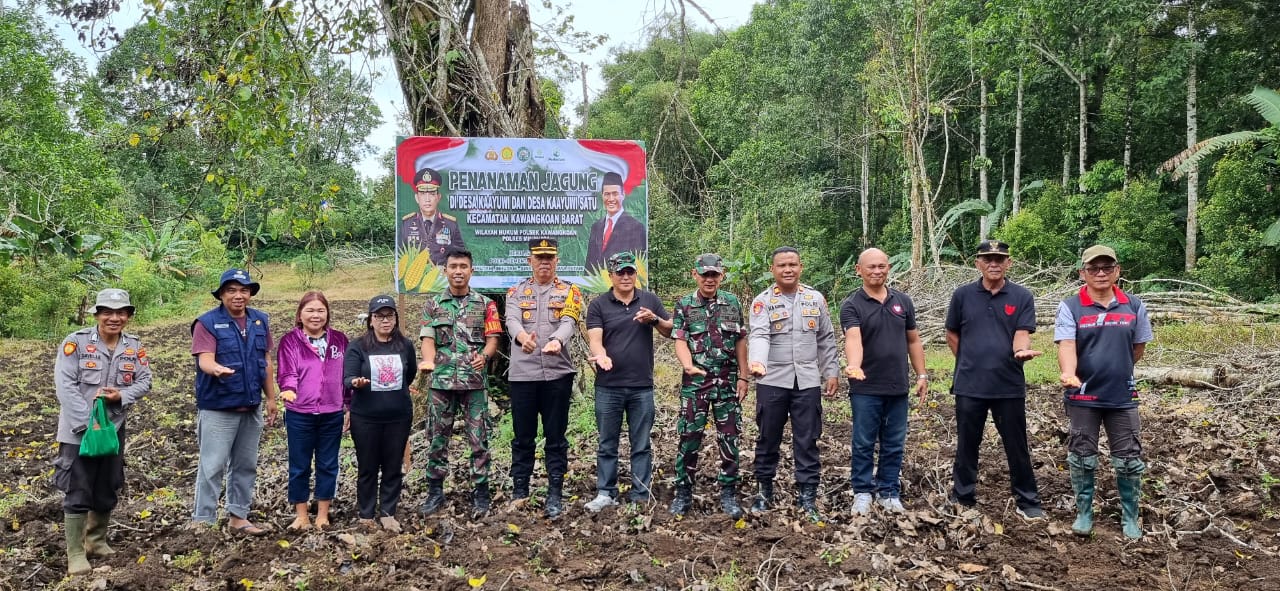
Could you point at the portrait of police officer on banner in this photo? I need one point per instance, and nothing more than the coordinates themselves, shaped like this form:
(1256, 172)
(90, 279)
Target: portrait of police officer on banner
(428, 228)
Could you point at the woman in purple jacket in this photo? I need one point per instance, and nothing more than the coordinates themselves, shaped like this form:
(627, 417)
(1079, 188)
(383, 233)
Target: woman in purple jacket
(309, 361)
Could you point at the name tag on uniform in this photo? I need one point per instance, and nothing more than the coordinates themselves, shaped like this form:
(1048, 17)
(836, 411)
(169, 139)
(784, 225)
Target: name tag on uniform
(223, 325)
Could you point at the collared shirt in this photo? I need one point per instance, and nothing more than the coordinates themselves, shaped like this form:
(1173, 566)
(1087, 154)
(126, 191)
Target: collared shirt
(550, 310)
(793, 337)
(85, 366)
(627, 342)
(712, 328)
(1105, 335)
(460, 326)
(986, 322)
(883, 327)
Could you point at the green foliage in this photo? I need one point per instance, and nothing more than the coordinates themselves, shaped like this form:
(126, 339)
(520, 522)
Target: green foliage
(40, 300)
(1242, 203)
(1142, 225)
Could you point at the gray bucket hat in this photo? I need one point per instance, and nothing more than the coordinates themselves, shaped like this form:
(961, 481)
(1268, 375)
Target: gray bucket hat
(112, 299)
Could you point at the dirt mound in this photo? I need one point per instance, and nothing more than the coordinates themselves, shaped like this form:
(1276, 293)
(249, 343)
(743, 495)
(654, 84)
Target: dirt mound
(1210, 510)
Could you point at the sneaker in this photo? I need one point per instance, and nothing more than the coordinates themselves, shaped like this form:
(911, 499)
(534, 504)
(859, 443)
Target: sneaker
(601, 501)
(1031, 513)
(861, 503)
(891, 504)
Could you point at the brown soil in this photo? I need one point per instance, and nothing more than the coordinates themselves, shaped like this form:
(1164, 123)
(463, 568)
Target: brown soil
(1210, 510)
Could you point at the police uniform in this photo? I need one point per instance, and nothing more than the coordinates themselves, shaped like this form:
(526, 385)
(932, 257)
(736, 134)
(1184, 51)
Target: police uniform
(436, 235)
(459, 326)
(541, 384)
(793, 337)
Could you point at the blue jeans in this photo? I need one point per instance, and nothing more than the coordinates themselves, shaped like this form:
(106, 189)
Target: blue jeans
(228, 457)
(637, 405)
(318, 437)
(880, 419)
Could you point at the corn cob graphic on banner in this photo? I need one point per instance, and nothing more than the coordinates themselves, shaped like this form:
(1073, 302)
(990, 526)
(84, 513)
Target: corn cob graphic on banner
(416, 274)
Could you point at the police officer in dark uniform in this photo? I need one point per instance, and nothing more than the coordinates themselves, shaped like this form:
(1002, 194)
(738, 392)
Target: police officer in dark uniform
(428, 229)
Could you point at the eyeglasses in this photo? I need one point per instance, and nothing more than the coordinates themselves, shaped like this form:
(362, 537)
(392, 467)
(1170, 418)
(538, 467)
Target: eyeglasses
(1100, 270)
(625, 272)
(384, 317)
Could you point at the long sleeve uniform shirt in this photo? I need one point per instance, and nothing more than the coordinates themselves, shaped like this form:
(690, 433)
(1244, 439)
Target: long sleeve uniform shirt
(550, 310)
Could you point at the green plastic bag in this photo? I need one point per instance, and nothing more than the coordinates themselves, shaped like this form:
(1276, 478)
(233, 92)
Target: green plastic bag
(100, 438)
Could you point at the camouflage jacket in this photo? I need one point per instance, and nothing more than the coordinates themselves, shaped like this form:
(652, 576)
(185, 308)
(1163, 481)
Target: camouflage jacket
(459, 326)
(712, 328)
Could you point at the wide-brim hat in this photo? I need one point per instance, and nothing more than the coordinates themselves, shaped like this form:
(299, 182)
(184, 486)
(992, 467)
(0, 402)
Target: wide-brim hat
(240, 276)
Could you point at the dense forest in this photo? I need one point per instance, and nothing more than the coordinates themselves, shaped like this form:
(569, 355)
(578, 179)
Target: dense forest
(216, 132)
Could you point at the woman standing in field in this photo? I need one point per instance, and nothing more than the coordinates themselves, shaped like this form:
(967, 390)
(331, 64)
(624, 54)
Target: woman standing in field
(96, 362)
(380, 367)
(309, 372)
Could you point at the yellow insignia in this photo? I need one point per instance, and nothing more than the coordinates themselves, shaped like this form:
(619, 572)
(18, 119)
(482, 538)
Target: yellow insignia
(777, 326)
(527, 315)
(448, 217)
(773, 316)
(409, 215)
(257, 323)
(91, 365)
(528, 291)
(128, 351)
(68, 349)
(543, 243)
(773, 300)
(812, 323)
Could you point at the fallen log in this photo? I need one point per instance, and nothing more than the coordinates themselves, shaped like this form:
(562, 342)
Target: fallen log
(1193, 377)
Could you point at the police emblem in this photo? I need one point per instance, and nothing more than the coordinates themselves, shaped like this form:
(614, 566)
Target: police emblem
(91, 365)
(127, 367)
(528, 291)
(527, 315)
(91, 349)
(128, 351)
(777, 326)
(773, 316)
(812, 323)
(756, 308)
(127, 378)
(773, 300)
(68, 349)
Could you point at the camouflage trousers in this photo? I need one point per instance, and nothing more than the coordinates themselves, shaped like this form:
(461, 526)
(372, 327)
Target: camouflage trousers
(443, 408)
(697, 401)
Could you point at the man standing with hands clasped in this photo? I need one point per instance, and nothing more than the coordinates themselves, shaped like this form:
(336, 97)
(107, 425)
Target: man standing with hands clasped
(792, 350)
(620, 327)
(879, 337)
(989, 325)
(711, 345)
(542, 315)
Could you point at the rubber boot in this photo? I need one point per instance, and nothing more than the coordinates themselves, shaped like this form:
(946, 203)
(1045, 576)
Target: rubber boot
(435, 496)
(555, 488)
(684, 499)
(95, 534)
(764, 500)
(808, 501)
(480, 501)
(77, 564)
(520, 488)
(729, 501)
(1129, 482)
(1082, 476)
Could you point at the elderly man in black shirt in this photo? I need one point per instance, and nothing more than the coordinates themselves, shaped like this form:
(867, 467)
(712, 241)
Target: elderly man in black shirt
(989, 325)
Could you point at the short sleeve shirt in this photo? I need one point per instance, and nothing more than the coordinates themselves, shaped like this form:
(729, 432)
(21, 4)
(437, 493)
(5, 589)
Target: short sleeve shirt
(1104, 336)
(628, 343)
(986, 322)
(884, 328)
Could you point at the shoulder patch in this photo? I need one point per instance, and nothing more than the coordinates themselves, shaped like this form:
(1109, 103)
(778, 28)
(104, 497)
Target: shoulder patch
(68, 348)
(757, 307)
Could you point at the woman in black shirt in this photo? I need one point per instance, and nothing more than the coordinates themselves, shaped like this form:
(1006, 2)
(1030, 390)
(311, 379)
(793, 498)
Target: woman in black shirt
(380, 366)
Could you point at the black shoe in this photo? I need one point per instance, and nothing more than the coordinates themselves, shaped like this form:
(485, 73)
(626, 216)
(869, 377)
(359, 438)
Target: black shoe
(520, 489)
(435, 497)
(480, 501)
(764, 500)
(808, 501)
(555, 486)
(729, 501)
(955, 499)
(684, 499)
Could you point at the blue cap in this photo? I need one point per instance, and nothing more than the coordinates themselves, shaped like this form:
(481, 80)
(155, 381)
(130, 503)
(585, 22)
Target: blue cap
(240, 276)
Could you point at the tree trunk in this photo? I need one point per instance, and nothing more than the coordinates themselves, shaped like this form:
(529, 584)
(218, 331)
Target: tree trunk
(1128, 122)
(1084, 131)
(1193, 176)
(982, 154)
(465, 76)
(866, 183)
(1017, 148)
(1066, 166)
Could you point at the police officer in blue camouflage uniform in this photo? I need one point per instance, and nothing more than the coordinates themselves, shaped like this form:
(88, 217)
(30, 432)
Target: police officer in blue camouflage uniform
(428, 228)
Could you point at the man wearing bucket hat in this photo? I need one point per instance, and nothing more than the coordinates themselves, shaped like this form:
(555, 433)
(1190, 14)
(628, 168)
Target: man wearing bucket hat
(100, 361)
(233, 371)
(1101, 333)
(428, 228)
(989, 325)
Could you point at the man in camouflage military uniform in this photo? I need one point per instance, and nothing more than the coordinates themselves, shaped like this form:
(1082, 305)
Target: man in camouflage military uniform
(428, 229)
(712, 348)
(459, 334)
(542, 315)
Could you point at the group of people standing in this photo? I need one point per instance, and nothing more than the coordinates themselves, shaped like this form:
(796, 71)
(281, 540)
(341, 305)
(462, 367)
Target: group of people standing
(784, 343)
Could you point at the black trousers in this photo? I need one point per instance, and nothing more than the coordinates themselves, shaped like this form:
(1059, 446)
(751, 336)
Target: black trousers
(548, 401)
(1010, 417)
(774, 405)
(379, 450)
(90, 484)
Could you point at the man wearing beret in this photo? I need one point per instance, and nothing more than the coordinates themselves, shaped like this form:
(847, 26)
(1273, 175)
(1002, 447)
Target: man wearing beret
(1101, 333)
(428, 229)
(989, 325)
(542, 315)
(617, 231)
(233, 371)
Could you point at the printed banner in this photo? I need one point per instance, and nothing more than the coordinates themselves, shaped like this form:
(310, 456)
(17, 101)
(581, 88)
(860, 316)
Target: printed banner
(493, 195)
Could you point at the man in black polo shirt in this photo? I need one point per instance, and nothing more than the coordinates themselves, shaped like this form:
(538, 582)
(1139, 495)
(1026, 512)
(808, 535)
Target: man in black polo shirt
(880, 334)
(989, 325)
(620, 327)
